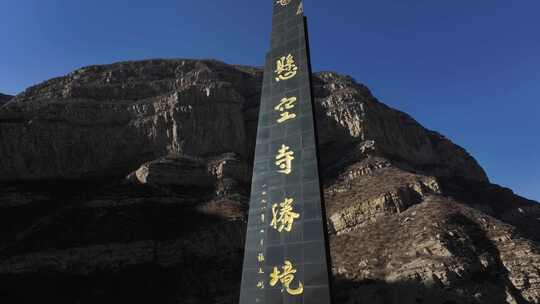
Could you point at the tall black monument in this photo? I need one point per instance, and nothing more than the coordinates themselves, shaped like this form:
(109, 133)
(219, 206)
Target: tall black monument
(286, 245)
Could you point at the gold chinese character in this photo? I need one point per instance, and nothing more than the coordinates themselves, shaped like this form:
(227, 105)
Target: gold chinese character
(260, 285)
(300, 9)
(262, 218)
(261, 270)
(286, 69)
(284, 159)
(285, 278)
(260, 258)
(286, 104)
(283, 216)
(284, 2)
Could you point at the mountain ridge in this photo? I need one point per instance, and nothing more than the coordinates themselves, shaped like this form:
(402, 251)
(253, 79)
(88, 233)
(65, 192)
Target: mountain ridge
(4, 98)
(114, 175)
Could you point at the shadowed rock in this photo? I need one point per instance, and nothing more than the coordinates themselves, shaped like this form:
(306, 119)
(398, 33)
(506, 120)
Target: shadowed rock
(4, 98)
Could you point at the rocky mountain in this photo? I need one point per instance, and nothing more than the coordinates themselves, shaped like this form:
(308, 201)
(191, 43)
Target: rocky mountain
(4, 98)
(130, 182)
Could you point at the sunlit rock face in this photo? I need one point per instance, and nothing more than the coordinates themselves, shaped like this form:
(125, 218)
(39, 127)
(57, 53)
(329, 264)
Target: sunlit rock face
(130, 182)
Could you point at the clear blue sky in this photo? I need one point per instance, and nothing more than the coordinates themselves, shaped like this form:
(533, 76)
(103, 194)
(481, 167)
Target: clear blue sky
(468, 69)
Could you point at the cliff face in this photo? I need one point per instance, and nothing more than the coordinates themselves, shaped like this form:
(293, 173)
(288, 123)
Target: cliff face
(107, 120)
(129, 182)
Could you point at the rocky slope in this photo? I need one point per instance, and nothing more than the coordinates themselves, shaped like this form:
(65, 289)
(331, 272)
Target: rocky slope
(129, 182)
(4, 98)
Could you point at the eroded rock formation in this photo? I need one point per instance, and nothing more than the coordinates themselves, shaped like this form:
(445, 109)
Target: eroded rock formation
(129, 182)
